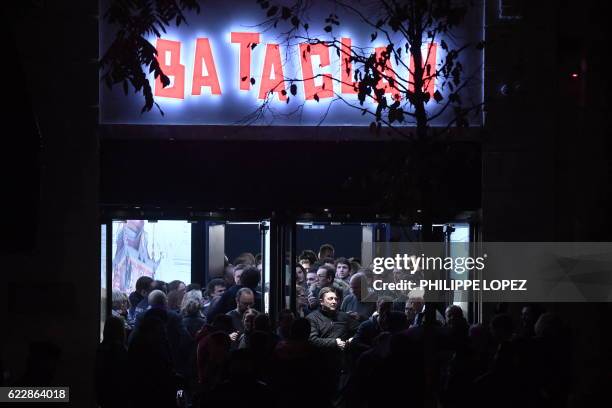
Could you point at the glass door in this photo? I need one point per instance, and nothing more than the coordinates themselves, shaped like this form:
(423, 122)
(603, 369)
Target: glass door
(237, 244)
(264, 230)
(279, 251)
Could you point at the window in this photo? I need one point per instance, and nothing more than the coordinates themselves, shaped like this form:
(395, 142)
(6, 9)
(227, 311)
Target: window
(159, 249)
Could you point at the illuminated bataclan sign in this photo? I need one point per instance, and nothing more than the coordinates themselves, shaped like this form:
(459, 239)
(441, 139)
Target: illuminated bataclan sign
(225, 68)
(271, 77)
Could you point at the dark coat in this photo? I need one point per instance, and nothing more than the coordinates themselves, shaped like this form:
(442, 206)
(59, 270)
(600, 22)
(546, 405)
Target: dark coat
(179, 341)
(227, 302)
(194, 323)
(111, 376)
(153, 381)
(140, 308)
(135, 298)
(367, 331)
(326, 327)
(364, 308)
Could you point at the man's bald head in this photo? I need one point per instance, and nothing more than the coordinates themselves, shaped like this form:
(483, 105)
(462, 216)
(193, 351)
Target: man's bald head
(157, 298)
(356, 283)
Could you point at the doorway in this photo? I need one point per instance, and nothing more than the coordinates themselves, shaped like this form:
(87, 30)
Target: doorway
(201, 249)
(192, 251)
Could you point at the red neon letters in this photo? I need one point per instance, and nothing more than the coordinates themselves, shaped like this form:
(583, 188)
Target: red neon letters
(245, 41)
(387, 70)
(204, 53)
(428, 52)
(348, 86)
(272, 64)
(310, 90)
(271, 78)
(173, 69)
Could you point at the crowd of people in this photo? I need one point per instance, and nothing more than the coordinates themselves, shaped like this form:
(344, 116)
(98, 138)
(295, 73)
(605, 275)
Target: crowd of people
(173, 344)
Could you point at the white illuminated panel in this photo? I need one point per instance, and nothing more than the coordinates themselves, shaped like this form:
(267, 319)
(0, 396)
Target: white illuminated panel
(234, 106)
(266, 266)
(160, 250)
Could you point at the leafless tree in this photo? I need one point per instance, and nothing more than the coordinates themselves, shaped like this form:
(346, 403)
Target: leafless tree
(418, 28)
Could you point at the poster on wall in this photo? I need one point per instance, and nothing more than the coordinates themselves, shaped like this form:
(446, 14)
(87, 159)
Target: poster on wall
(160, 250)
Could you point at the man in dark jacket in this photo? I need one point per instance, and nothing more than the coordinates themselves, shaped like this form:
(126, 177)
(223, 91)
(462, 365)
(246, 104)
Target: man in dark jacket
(245, 300)
(376, 324)
(361, 303)
(330, 333)
(143, 305)
(149, 352)
(325, 278)
(249, 279)
(330, 329)
(176, 335)
(143, 287)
